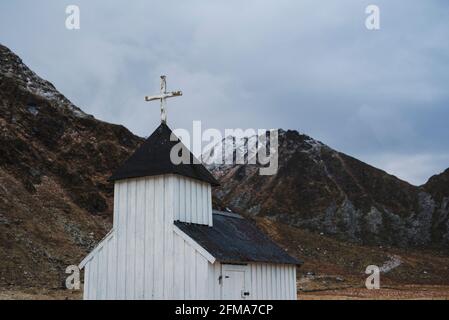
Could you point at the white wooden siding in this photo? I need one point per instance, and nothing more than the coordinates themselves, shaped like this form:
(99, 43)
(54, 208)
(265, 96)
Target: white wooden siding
(141, 244)
(191, 277)
(194, 277)
(147, 257)
(268, 281)
(138, 260)
(272, 281)
(192, 201)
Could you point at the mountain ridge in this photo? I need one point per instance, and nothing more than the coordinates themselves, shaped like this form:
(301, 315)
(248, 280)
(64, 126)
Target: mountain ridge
(321, 189)
(56, 202)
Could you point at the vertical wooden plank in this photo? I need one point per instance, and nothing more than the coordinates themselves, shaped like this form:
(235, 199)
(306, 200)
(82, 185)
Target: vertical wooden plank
(210, 281)
(273, 282)
(168, 235)
(178, 268)
(121, 239)
(106, 270)
(149, 238)
(112, 268)
(194, 204)
(278, 282)
(290, 282)
(200, 200)
(131, 240)
(140, 238)
(295, 290)
(281, 286)
(182, 199)
(158, 239)
(115, 208)
(187, 272)
(284, 287)
(176, 198)
(101, 274)
(97, 277)
(91, 280)
(260, 281)
(86, 291)
(217, 283)
(256, 283)
(287, 282)
(264, 281)
(147, 250)
(108, 284)
(190, 252)
(253, 288)
(209, 204)
(201, 272)
(267, 278)
(188, 196)
(112, 253)
(94, 278)
(269, 287)
(182, 268)
(205, 276)
(199, 203)
(205, 205)
(193, 278)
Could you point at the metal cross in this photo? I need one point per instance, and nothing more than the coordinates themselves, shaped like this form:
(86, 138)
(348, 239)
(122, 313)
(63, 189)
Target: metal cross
(162, 96)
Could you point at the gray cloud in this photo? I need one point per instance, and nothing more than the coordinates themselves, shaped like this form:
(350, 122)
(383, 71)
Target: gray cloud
(379, 96)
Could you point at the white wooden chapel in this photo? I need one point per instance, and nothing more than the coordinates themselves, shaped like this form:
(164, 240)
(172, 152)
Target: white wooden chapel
(168, 243)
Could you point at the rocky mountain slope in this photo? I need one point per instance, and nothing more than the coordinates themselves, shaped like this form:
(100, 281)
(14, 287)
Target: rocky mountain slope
(323, 190)
(55, 202)
(438, 186)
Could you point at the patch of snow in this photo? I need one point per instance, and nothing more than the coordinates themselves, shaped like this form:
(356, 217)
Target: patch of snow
(33, 110)
(394, 262)
(13, 67)
(224, 153)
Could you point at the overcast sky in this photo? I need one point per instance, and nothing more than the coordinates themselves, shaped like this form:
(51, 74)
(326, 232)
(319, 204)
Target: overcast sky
(380, 96)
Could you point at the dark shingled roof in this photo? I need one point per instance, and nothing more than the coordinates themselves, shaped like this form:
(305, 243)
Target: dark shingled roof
(153, 158)
(233, 239)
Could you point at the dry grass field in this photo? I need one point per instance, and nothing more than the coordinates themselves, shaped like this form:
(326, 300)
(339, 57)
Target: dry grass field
(39, 294)
(332, 270)
(406, 292)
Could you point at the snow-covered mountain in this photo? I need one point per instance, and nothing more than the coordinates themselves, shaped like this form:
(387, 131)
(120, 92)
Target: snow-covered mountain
(13, 69)
(321, 189)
